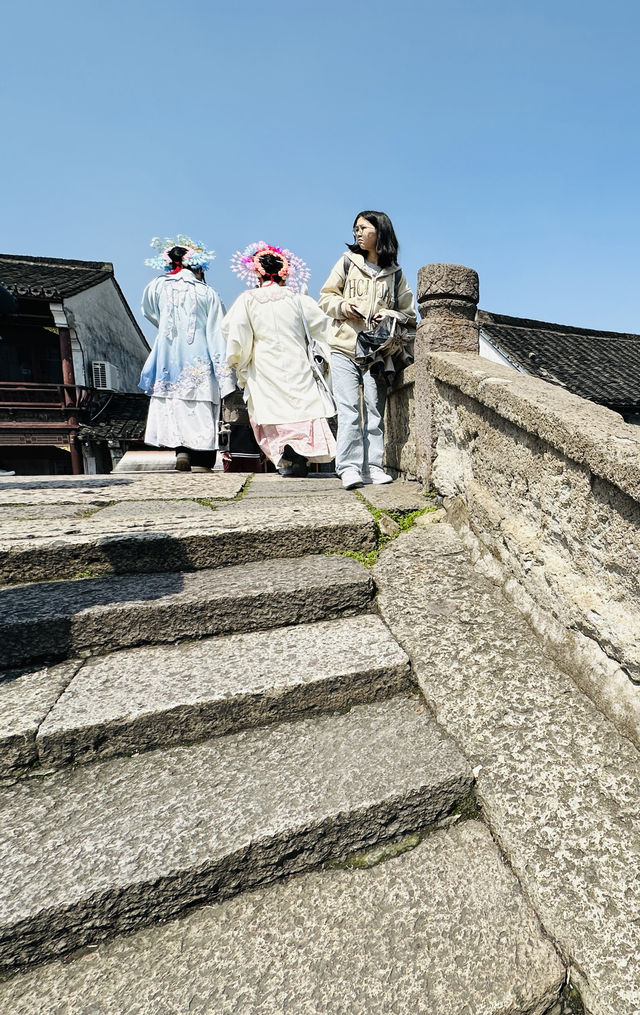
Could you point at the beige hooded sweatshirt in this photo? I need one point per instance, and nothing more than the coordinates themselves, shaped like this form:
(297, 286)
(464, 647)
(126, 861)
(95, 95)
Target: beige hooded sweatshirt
(370, 294)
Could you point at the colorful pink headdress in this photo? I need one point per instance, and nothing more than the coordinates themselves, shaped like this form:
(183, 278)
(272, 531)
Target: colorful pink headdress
(246, 265)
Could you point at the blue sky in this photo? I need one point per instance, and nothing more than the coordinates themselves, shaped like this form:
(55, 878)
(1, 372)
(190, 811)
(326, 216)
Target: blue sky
(499, 134)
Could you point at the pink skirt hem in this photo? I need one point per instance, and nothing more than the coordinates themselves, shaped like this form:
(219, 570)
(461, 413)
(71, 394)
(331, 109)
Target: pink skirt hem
(311, 438)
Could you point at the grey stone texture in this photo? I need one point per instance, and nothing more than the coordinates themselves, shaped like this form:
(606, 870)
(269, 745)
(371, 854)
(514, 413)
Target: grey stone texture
(275, 487)
(97, 849)
(557, 783)
(163, 695)
(25, 700)
(90, 491)
(233, 533)
(441, 929)
(399, 427)
(153, 510)
(447, 300)
(448, 281)
(49, 620)
(401, 495)
(546, 488)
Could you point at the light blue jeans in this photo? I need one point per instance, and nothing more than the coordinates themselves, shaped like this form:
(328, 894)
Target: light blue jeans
(361, 399)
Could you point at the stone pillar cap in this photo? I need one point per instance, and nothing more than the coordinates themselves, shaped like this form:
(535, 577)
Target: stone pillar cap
(448, 281)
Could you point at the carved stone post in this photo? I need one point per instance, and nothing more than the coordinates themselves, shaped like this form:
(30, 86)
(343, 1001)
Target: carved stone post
(448, 301)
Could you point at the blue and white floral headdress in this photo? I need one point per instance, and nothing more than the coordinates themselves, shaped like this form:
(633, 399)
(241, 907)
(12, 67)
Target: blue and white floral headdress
(197, 256)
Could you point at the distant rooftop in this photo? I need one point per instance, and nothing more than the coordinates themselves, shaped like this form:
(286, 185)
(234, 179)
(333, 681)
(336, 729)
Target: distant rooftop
(50, 277)
(603, 366)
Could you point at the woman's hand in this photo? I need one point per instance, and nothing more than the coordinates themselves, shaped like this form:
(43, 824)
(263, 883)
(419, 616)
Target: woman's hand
(379, 317)
(352, 313)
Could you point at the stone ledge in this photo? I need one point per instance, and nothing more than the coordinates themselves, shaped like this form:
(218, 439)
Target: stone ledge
(441, 929)
(106, 848)
(142, 698)
(586, 432)
(53, 620)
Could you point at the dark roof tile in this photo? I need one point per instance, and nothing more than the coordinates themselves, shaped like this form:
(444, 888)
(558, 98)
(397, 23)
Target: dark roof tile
(50, 277)
(121, 417)
(603, 366)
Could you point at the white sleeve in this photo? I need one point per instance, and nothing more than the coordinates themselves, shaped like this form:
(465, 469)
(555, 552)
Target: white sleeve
(217, 345)
(320, 326)
(151, 302)
(238, 332)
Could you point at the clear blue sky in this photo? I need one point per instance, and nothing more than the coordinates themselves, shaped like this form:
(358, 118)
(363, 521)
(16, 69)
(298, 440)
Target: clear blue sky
(500, 134)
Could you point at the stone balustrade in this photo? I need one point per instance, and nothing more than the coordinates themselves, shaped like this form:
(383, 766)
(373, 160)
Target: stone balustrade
(543, 485)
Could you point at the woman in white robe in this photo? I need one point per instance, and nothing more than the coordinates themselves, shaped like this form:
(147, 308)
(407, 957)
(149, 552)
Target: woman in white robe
(185, 374)
(269, 348)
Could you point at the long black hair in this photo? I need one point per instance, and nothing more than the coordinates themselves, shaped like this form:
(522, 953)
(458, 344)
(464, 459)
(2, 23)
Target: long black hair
(387, 241)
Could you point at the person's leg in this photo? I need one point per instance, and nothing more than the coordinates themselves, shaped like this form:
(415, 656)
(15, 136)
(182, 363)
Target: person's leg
(374, 399)
(183, 459)
(347, 378)
(297, 464)
(203, 459)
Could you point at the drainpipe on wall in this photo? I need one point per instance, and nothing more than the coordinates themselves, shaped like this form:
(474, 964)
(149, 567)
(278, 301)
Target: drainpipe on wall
(448, 302)
(68, 377)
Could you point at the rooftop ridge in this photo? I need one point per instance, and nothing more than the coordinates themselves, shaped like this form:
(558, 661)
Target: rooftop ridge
(487, 317)
(65, 262)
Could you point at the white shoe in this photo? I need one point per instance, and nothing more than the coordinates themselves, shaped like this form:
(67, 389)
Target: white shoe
(379, 476)
(351, 478)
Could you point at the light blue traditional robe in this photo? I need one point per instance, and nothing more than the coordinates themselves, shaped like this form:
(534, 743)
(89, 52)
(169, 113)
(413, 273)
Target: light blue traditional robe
(187, 364)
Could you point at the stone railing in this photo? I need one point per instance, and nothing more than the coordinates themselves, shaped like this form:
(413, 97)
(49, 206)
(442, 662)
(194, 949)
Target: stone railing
(545, 488)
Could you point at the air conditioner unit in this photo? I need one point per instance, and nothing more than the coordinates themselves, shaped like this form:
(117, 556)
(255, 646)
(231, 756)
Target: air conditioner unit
(105, 375)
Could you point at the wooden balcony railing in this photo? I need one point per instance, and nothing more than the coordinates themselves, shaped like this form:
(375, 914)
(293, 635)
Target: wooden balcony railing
(67, 398)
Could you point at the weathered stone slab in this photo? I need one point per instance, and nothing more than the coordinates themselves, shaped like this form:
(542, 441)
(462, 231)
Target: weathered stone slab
(235, 533)
(278, 486)
(88, 491)
(558, 785)
(25, 700)
(441, 929)
(28, 512)
(49, 620)
(401, 495)
(153, 510)
(97, 849)
(152, 697)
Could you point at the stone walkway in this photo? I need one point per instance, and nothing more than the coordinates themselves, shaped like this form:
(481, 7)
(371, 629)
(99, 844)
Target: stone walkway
(206, 722)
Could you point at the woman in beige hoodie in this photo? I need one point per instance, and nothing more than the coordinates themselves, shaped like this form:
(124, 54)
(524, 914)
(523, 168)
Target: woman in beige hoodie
(364, 287)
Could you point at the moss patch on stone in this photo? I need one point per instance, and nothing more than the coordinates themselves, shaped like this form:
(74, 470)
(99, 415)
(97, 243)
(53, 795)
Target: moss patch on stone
(364, 859)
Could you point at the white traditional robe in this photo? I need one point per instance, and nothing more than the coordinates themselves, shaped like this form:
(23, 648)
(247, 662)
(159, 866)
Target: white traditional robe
(267, 348)
(185, 374)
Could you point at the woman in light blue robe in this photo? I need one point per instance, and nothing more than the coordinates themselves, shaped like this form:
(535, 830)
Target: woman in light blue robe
(185, 374)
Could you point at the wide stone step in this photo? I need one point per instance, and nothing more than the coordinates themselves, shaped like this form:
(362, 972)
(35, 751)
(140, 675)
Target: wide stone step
(54, 620)
(441, 930)
(97, 849)
(133, 537)
(152, 697)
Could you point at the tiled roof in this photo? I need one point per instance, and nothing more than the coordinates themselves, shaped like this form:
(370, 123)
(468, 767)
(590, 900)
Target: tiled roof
(603, 366)
(50, 277)
(121, 417)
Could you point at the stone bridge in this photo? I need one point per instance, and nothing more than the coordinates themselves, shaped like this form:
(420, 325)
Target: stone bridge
(268, 746)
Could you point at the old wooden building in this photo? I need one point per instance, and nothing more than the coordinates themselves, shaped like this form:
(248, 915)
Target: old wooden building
(69, 345)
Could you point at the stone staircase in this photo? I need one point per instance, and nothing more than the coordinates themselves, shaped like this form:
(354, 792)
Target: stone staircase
(222, 791)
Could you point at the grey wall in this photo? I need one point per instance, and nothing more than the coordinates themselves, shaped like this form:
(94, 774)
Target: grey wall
(106, 332)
